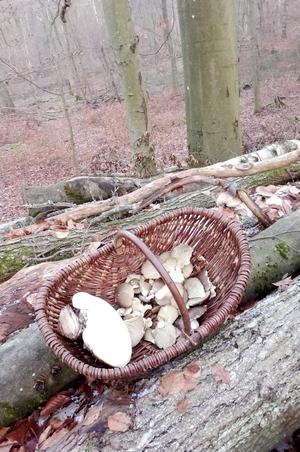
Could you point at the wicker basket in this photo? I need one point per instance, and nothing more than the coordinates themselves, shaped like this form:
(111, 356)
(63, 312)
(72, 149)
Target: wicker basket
(220, 240)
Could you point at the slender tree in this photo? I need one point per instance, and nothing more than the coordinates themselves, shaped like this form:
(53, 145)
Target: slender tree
(125, 46)
(6, 102)
(254, 31)
(169, 42)
(211, 79)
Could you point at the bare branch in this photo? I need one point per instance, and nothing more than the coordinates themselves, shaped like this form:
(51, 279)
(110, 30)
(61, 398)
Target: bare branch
(25, 78)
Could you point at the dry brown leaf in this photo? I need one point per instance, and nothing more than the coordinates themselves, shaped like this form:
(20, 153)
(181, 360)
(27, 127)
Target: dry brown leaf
(44, 435)
(221, 375)
(283, 284)
(180, 382)
(57, 401)
(119, 422)
(267, 191)
(182, 405)
(3, 431)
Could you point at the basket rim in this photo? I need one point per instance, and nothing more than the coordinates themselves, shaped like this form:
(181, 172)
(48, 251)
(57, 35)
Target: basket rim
(184, 344)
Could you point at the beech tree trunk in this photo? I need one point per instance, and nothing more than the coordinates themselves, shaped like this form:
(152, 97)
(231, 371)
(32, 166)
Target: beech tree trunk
(169, 43)
(254, 31)
(210, 79)
(125, 45)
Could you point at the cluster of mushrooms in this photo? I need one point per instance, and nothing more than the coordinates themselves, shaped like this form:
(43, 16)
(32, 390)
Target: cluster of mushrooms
(110, 334)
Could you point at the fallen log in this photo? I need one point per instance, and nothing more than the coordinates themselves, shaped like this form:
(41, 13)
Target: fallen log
(16, 313)
(77, 190)
(155, 189)
(41, 247)
(249, 406)
(244, 406)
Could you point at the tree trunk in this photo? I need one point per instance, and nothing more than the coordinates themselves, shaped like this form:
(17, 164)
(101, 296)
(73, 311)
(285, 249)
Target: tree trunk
(211, 79)
(6, 103)
(254, 32)
(169, 43)
(125, 46)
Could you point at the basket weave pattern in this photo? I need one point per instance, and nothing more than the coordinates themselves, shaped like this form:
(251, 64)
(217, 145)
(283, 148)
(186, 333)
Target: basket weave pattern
(218, 239)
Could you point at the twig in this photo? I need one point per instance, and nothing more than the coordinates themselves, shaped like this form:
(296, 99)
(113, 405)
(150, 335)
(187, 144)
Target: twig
(167, 37)
(27, 79)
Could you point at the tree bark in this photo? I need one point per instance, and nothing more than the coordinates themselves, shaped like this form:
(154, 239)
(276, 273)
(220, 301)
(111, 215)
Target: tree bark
(125, 46)
(169, 43)
(78, 190)
(254, 31)
(262, 338)
(210, 79)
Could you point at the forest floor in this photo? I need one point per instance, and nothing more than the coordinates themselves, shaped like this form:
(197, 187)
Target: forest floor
(35, 148)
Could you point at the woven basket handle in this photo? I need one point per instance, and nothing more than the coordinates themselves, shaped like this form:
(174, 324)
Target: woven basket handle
(161, 270)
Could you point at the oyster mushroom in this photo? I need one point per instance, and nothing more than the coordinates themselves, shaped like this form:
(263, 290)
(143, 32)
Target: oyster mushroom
(149, 271)
(187, 270)
(125, 295)
(135, 281)
(194, 288)
(144, 288)
(194, 314)
(165, 336)
(207, 284)
(148, 336)
(138, 308)
(165, 256)
(163, 296)
(177, 275)
(170, 264)
(168, 313)
(136, 329)
(182, 253)
(106, 334)
(195, 301)
(194, 324)
(69, 324)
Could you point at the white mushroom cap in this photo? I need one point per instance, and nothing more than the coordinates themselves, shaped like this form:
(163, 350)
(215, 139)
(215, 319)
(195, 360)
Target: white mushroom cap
(182, 254)
(165, 256)
(168, 313)
(68, 323)
(194, 313)
(187, 270)
(106, 334)
(139, 307)
(148, 336)
(207, 284)
(195, 301)
(136, 329)
(163, 296)
(170, 264)
(166, 336)
(177, 275)
(194, 288)
(135, 281)
(125, 295)
(149, 271)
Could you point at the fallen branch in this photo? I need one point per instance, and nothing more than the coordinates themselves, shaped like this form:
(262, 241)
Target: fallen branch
(25, 348)
(156, 188)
